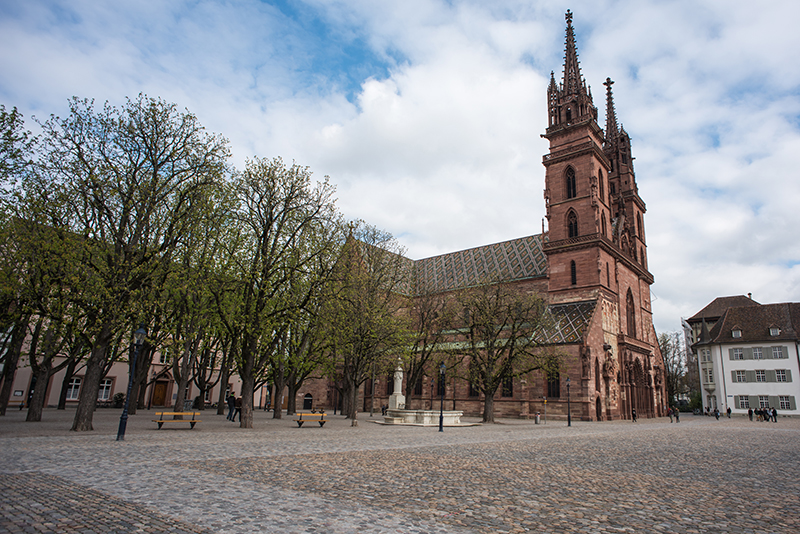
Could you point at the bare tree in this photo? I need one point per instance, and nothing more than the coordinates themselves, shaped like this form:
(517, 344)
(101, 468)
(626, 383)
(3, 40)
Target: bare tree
(672, 350)
(501, 332)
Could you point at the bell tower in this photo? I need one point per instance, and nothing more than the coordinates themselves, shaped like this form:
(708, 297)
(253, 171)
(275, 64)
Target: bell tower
(576, 192)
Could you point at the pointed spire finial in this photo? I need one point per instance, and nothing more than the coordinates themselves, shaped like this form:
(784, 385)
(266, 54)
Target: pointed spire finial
(611, 114)
(568, 17)
(573, 84)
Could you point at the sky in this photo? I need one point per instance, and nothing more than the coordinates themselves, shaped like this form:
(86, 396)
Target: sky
(427, 115)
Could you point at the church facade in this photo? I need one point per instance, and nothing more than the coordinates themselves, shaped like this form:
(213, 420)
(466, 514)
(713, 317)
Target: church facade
(590, 265)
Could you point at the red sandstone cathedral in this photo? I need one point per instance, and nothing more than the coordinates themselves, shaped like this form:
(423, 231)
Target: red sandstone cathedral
(591, 267)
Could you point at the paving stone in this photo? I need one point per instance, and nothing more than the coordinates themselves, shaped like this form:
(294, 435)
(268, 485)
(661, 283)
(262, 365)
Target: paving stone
(701, 476)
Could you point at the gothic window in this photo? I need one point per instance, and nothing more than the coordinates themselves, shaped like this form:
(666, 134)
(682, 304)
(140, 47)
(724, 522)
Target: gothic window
(508, 387)
(639, 228)
(573, 272)
(604, 225)
(571, 188)
(418, 386)
(569, 115)
(602, 186)
(473, 390)
(572, 224)
(390, 383)
(631, 311)
(553, 385)
(440, 389)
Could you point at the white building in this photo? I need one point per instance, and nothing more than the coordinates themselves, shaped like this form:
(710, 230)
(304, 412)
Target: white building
(747, 355)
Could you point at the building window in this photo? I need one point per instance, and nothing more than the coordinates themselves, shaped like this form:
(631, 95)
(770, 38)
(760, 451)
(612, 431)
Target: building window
(737, 354)
(705, 355)
(571, 188)
(763, 401)
(757, 354)
(631, 313)
(736, 333)
(785, 402)
(440, 389)
(473, 390)
(104, 393)
(708, 375)
(744, 402)
(390, 383)
(740, 376)
(572, 224)
(74, 389)
(418, 386)
(508, 387)
(774, 331)
(761, 375)
(554, 385)
(573, 272)
(777, 352)
(602, 186)
(162, 357)
(780, 375)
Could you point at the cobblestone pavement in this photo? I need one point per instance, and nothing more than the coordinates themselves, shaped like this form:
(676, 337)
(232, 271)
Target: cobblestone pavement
(698, 476)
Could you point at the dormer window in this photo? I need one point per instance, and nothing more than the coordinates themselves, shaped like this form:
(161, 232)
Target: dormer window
(736, 333)
(774, 331)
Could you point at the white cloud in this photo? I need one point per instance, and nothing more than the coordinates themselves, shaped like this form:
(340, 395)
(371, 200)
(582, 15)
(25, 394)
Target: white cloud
(433, 133)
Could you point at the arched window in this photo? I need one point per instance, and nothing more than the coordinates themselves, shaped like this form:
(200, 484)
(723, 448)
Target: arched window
(639, 227)
(571, 188)
(572, 224)
(573, 271)
(554, 384)
(631, 312)
(604, 225)
(569, 115)
(602, 185)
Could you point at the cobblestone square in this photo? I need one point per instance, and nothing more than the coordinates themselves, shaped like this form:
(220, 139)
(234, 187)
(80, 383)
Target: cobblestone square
(700, 475)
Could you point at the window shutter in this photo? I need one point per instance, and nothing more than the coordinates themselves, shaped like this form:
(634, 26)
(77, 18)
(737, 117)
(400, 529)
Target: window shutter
(788, 375)
(733, 376)
(785, 352)
(736, 401)
(753, 401)
(748, 354)
(750, 376)
(771, 375)
(792, 403)
(730, 354)
(774, 401)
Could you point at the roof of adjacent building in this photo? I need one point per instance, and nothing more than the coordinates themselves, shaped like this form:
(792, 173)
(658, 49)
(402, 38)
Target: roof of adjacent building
(720, 305)
(755, 323)
(508, 261)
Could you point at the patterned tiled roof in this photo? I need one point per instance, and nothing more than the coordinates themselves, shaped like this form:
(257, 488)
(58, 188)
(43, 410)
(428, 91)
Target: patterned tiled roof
(568, 322)
(517, 259)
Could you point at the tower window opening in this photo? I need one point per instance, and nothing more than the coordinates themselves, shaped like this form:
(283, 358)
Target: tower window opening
(572, 224)
(572, 190)
(573, 271)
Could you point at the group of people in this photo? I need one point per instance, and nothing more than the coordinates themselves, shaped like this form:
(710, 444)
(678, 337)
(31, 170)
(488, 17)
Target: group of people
(763, 414)
(234, 407)
(674, 412)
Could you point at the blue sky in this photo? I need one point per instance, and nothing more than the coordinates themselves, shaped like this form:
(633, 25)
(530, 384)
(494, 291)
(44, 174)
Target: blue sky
(427, 114)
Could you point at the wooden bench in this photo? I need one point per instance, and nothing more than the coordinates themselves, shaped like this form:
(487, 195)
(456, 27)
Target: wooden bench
(193, 421)
(318, 417)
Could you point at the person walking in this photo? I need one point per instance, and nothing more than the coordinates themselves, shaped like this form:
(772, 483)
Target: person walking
(633, 414)
(729, 412)
(750, 413)
(677, 415)
(669, 413)
(238, 411)
(231, 406)
(774, 415)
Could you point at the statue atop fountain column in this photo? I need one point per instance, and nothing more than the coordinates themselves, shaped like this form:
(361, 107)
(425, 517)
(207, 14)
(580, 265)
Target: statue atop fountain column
(397, 401)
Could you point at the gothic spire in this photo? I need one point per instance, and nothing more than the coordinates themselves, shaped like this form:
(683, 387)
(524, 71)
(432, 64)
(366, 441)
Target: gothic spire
(611, 114)
(573, 84)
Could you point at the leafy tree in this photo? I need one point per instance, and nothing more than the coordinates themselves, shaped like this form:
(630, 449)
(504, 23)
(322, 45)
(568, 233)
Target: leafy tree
(286, 226)
(131, 177)
(501, 329)
(362, 309)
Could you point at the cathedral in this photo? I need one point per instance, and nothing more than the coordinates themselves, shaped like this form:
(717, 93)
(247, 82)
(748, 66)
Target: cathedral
(590, 265)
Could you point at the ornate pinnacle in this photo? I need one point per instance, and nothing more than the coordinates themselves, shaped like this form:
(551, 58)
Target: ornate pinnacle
(611, 115)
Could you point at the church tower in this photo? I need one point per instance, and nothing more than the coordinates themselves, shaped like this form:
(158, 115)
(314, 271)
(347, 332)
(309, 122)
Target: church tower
(595, 245)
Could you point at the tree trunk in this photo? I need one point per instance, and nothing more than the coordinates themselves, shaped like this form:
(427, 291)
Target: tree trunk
(488, 409)
(139, 376)
(291, 404)
(248, 389)
(223, 382)
(354, 406)
(12, 359)
(280, 384)
(62, 398)
(36, 404)
(87, 403)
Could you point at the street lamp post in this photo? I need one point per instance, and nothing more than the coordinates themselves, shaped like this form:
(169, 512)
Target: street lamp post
(569, 412)
(441, 406)
(138, 339)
